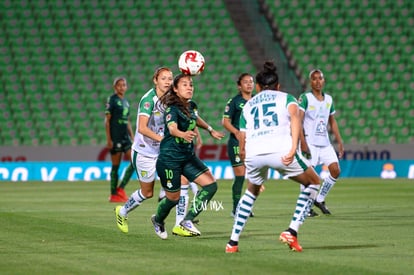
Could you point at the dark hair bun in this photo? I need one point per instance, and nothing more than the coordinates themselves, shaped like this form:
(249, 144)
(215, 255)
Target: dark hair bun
(269, 67)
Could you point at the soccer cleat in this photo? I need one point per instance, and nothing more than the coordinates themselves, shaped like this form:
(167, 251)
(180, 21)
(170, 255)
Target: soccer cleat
(181, 231)
(116, 198)
(312, 213)
(122, 194)
(121, 222)
(159, 228)
(322, 207)
(287, 238)
(232, 248)
(189, 226)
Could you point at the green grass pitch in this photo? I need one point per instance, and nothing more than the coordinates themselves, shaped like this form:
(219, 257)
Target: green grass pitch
(69, 228)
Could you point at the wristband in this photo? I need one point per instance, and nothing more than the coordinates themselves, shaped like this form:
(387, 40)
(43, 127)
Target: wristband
(209, 128)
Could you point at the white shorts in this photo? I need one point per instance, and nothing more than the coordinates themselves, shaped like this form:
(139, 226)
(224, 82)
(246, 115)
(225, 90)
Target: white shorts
(144, 166)
(257, 167)
(325, 155)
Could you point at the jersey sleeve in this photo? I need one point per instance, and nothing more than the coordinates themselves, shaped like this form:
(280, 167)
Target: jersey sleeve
(303, 102)
(171, 115)
(228, 110)
(146, 105)
(332, 111)
(108, 106)
(290, 99)
(242, 122)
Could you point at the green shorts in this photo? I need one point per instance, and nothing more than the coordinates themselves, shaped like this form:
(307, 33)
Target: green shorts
(122, 146)
(233, 151)
(170, 170)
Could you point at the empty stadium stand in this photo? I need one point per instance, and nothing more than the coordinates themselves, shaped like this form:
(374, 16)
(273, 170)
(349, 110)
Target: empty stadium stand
(58, 59)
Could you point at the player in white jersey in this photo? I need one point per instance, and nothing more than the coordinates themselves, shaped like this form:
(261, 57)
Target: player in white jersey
(146, 147)
(317, 113)
(270, 127)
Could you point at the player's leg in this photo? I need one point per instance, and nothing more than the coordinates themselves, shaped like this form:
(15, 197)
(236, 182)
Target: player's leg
(181, 209)
(127, 175)
(257, 174)
(233, 151)
(115, 160)
(239, 172)
(145, 169)
(170, 177)
(310, 179)
(328, 156)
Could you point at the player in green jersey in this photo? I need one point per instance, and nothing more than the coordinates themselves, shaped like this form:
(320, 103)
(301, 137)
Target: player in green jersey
(230, 121)
(177, 157)
(118, 137)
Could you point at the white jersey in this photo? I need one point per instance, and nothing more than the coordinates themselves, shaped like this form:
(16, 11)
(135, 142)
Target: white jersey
(315, 123)
(148, 107)
(266, 121)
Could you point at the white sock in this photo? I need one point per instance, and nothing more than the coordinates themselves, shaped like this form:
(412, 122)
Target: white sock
(133, 202)
(244, 208)
(303, 206)
(181, 207)
(302, 187)
(327, 185)
(161, 195)
(194, 187)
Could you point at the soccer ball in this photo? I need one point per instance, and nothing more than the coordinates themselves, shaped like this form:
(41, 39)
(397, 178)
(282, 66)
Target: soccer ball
(191, 62)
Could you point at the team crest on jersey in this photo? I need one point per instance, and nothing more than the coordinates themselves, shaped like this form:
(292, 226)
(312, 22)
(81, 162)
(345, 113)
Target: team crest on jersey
(119, 103)
(169, 184)
(144, 174)
(168, 117)
(147, 105)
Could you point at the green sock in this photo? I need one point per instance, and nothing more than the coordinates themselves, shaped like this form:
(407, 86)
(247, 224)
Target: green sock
(127, 176)
(163, 209)
(114, 178)
(201, 200)
(236, 191)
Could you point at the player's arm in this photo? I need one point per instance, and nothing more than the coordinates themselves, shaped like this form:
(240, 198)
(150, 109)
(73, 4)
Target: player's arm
(108, 130)
(174, 131)
(335, 130)
(144, 130)
(226, 122)
(129, 127)
(204, 125)
(295, 128)
(303, 144)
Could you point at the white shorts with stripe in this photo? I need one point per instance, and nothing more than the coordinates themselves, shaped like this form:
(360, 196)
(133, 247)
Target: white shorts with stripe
(144, 166)
(257, 167)
(324, 155)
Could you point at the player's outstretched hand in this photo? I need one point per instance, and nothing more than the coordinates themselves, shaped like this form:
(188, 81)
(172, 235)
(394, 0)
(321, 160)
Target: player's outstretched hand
(216, 134)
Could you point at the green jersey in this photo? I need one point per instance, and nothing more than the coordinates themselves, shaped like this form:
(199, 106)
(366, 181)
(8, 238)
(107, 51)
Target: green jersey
(233, 110)
(119, 110)
(174, 147)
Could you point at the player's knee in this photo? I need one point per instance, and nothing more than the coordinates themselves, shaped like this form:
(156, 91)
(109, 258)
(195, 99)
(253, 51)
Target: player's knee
(334, 170)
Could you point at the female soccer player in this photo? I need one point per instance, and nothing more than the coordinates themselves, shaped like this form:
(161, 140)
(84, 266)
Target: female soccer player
(230, 121)
(118, 137)
(177, 157)
(146, 147)
(270, 127)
